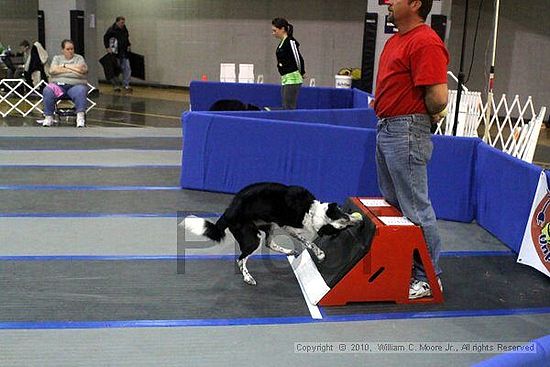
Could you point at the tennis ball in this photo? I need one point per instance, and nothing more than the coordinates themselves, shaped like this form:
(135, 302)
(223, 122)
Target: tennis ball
(356, 216)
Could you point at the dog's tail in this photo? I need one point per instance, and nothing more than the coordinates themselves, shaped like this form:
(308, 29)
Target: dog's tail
(203, 227)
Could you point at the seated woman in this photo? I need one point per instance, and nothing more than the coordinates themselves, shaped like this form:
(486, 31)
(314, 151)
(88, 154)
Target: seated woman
(67, 77)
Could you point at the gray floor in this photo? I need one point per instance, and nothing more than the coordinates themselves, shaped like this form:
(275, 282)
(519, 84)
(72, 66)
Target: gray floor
(267, 345)
(44, 177)
(107, 191)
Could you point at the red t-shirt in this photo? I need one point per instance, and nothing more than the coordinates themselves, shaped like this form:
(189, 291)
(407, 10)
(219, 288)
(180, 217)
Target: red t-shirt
(408, 62)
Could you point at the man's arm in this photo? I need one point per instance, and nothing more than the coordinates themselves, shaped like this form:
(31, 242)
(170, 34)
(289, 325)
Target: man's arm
(435, 99)
(106, 37)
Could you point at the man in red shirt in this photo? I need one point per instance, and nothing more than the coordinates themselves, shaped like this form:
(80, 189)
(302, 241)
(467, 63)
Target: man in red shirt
(411, 95)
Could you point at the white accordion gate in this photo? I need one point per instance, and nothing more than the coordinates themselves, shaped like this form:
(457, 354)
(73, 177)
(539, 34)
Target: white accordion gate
(511, 126)
(24, 102)
(22, 98)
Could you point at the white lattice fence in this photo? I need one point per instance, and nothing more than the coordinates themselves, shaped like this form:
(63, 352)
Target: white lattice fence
(468, 114)
(512, 127)
(18, 96)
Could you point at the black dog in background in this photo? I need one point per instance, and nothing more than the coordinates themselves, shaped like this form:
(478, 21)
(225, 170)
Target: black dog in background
(233, 105)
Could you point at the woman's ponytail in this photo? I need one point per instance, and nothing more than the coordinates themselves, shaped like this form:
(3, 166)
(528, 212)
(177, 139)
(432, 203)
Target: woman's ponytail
(290, 30)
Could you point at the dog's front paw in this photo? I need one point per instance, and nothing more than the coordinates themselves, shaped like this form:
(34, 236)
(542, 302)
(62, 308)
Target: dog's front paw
(320, 255)
(249, 280)
(294, 253)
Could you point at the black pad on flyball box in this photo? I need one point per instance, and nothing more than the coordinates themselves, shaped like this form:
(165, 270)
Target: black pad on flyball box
(343, 251)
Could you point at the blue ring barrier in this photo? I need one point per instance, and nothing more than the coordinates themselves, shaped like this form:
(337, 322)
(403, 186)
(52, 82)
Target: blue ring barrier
(331, 151)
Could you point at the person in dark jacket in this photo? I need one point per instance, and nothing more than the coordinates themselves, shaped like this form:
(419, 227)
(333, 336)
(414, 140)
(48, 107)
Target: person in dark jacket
(25, 51)
(290, 62)
(34, 66)
(117, 41)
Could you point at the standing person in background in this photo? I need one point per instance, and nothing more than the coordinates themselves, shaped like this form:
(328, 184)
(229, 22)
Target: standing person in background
(117, 41)
(68, 77)
(290, 62)
(411, 96)
(35, 67)
(16, 72)
(25, 51)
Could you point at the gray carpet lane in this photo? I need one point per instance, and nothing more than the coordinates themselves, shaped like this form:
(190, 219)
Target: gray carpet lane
(458, 236)
(102, 132)
(90, 176)
(146, 290)
(542, 154)
(89, 143)
(473, 283)
(114, 202)
(94, 236)
(145, 236)
(264, 345)
(101, 158)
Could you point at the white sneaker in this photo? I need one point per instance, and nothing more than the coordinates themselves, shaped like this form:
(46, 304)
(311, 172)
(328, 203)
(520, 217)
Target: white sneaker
(420, 288)
(80, 119)
(48, 121)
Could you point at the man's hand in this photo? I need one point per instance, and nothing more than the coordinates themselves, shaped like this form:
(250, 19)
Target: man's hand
(435, 98)
(435, 118)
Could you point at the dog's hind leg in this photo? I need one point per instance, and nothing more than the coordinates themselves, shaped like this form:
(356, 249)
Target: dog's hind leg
(270, 243)
(319, 254)
(247, 236)
(248, 279)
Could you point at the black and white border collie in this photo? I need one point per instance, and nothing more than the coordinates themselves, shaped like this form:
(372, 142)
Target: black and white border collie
(260, 206)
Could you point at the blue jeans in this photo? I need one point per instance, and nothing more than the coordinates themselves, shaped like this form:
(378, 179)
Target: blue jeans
(403, 150)
(126, 71)
(77, 93)
(124, 65)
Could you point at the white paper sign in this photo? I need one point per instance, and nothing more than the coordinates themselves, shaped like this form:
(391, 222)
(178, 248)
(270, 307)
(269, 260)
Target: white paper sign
(374, 202)
(396, 221)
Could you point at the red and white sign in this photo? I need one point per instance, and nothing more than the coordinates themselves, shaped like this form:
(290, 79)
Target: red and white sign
(535, 247)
